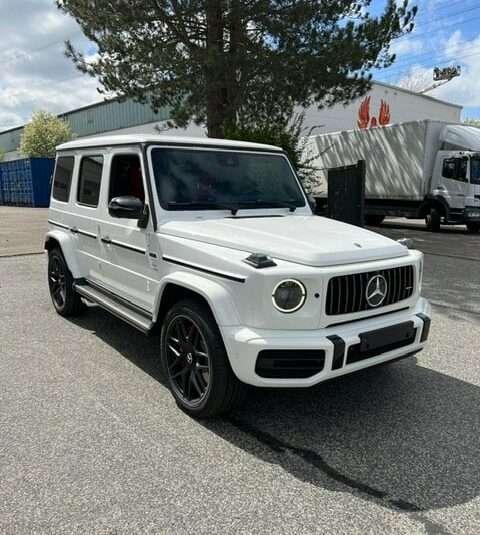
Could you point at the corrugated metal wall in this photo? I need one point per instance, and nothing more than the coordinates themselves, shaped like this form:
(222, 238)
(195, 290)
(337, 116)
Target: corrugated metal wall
(111, 115)
(96, 119)
(10, 140)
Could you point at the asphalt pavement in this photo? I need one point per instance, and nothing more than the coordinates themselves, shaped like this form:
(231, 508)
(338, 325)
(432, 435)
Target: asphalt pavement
(22, 230)
(91, 440)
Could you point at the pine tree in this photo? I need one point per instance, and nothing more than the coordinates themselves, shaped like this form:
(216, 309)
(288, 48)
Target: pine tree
(209, 60)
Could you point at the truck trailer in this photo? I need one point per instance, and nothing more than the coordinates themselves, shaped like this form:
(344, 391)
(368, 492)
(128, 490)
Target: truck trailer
(419, 169)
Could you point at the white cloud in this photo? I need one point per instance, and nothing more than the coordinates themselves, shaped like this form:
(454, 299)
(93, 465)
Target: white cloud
(34, 72)
(407, 46)
(465, 89)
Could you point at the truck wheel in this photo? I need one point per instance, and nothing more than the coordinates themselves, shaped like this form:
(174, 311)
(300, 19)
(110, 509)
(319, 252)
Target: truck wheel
(374, 219)
(432, 220)
(195, 361)
(474, 226)
(60, 283)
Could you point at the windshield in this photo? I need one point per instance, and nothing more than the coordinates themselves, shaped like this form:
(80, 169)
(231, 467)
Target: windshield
(190, 179)
(475, 170)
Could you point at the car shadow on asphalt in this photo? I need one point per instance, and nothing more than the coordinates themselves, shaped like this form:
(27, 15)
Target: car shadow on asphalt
(401, 435)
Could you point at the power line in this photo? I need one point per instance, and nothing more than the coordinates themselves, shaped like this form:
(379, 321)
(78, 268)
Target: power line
(35, 50)
(416, 59)
(41, 84)
(448, 15)
(419, 69)
(444, 56)
(15, 7)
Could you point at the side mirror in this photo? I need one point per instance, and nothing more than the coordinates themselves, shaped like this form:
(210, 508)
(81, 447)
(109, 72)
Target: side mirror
(128, 207)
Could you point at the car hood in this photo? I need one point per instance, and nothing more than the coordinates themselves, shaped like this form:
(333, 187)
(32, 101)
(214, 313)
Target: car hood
(308, 240)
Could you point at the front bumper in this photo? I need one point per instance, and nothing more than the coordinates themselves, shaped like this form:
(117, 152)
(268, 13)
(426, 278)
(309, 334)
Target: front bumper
(472, 213)
(243, 345)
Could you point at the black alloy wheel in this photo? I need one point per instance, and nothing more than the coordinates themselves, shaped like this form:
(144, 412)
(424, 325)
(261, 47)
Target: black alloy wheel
(60, 283)
(188, 360)
(195, 362)
(58, 286)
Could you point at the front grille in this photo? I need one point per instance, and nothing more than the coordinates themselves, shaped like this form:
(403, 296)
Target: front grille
(289, 363)
(347, 293)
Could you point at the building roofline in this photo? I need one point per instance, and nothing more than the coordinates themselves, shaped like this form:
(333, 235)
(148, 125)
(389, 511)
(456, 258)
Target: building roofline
(429, 97)
(118, 99)
(69, 112)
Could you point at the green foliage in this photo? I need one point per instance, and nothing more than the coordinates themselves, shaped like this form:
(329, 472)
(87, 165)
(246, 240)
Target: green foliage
(288, 132)
(43, 133)
(472, 122)
(206, 59)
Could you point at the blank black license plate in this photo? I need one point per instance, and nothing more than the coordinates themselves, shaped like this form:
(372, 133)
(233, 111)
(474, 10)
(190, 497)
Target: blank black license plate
(388, 336)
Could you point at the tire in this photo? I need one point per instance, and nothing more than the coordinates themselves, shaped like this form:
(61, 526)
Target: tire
(374, 219)
(195, 361)
(432, 220)
(474, 226)
(60, 283)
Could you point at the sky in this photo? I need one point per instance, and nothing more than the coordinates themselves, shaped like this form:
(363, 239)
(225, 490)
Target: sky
(34, 72)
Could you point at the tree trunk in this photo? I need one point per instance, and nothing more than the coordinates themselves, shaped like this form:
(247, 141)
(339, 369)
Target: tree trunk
(214, 69)
(235, 59)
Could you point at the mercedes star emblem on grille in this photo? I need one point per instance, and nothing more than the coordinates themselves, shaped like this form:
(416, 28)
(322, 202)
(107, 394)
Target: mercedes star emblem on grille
(376, 290)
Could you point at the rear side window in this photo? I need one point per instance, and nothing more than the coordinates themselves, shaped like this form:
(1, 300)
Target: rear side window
(63, 178)
(89, 180)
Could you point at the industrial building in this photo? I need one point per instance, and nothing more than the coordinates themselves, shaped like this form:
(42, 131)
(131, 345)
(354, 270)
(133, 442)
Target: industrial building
(384, 104)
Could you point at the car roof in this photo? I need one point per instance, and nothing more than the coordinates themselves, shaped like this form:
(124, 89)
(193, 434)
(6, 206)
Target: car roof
(126, 139)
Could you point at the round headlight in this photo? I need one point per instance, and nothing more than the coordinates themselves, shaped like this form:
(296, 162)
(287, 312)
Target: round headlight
(289, 295)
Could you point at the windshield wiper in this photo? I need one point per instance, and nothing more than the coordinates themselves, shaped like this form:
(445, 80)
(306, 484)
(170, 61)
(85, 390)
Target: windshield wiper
(275, 204)
(198, 204)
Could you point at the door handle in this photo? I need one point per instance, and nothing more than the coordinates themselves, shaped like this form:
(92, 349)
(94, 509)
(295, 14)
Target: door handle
(440, 188)
(74, 230)
(107, 240)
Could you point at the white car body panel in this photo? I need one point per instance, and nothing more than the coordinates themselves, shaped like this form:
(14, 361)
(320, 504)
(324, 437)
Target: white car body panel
(312, 241)
(205, 252)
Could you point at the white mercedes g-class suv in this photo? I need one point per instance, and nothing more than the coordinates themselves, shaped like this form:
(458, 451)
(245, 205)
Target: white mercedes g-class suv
(214, 242)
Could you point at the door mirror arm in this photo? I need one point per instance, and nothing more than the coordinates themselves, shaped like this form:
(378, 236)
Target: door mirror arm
(143, 220)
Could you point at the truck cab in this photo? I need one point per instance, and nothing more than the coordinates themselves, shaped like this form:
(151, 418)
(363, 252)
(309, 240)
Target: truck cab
(456, 185)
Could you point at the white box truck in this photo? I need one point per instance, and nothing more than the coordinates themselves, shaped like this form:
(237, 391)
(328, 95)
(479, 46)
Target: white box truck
(419, 169)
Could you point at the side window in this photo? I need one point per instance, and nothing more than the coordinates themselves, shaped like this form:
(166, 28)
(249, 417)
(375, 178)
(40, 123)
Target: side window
(126, 177)
(448, 170)
(89, 180)
(62, 178)
(455, 168)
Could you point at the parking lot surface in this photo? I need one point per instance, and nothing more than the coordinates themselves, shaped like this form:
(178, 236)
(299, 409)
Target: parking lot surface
(22, 230)
(91, 440)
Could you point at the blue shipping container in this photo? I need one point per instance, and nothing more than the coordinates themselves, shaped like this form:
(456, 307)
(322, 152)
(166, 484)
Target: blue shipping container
(26, 182)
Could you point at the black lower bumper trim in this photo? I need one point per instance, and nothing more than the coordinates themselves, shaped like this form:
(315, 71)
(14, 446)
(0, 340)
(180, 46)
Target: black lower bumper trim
(338, 351)
(375, 343)
(426, 326)
(289, 363)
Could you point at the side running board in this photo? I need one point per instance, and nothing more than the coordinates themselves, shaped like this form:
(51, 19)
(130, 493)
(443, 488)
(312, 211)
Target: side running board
(117, 306)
